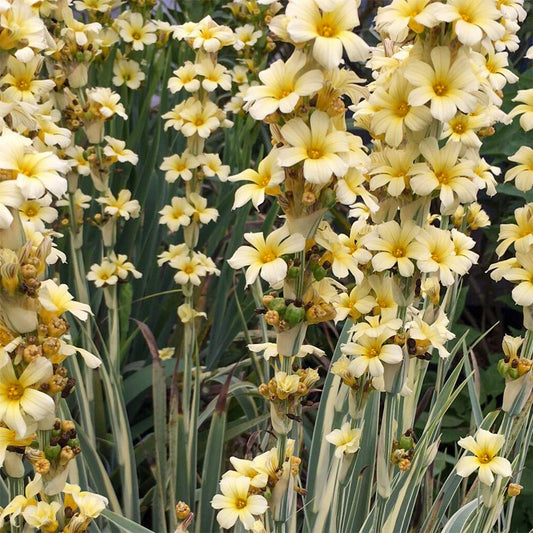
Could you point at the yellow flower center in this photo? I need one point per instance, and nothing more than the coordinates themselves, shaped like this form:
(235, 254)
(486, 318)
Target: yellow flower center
(268, 256)
(104, 276)
(440, 88)
(199, 121)
(284, 93)
(136, 35)
(484, 458)
(189, 269)
(263, 181)
(458, 127)
(30, 212)
(435, 257)
(372, 352)
(442, 177)
(398, 252)
(491, 67)
(240, 503)
(326, 31)
(23, 84)
(466, 17)
(314, 153)
(15, 391)
(402, 109)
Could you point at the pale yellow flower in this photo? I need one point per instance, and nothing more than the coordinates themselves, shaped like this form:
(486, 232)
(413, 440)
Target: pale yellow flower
(246, 36)
(214, 74)
(522, 173)
(473, 19)
(283, 84)
(520, 233)
(177, 214)
(200, 211)
(121, 205)
(190, 270)
(236, 504)
(127, 71)
(211, 165)
(210, 36)
(117, 151)
(42, 516)
(179, 166)
(356, 303)
(105, 103)
(38, 212)
(370, 353)
(525, 108)
(23, 80)
(391, 168)
(437, 255)
(395, 115)
(200, 119)
(166, 353)
(35, 172)
(123, 267)
(484, 448)
(522, 274)
(184, 78)
(22, 405)
(329, 31)
(436, 333)
(264, 257)
(396, 246)
(265, 180)
(318, 145)
(103, 274)
(346, 440)
(56, 299)
(445, 172)
(134, 30)
(186, 313)
(446, 85)
(402, 16)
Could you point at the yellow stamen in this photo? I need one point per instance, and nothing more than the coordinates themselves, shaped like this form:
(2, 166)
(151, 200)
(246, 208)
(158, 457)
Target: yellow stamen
(15, 391)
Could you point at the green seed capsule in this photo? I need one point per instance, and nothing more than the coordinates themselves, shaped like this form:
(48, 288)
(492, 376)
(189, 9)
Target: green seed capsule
(513, 373)
(277, 304)
(405, 442)
(294, 315)
(74, 443)
(293, 272)
(502, 368)
(319, 272)
(52, 452)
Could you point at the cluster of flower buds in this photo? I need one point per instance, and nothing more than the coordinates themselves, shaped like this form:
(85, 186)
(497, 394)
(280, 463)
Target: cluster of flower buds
(245, 489)
(285, 392)
(196, 117)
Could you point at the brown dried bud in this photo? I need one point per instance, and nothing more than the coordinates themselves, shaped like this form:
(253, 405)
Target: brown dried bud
(66, 455)
(404, 465)
(31, 353)
(67, 426)
(514, 489)
(272, 318)
(182, 511)
(57, 327)
(42, 466)
(28, 271)
(51, 346)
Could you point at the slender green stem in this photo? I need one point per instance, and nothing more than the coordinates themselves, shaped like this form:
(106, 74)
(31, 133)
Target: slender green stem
(16, 488)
